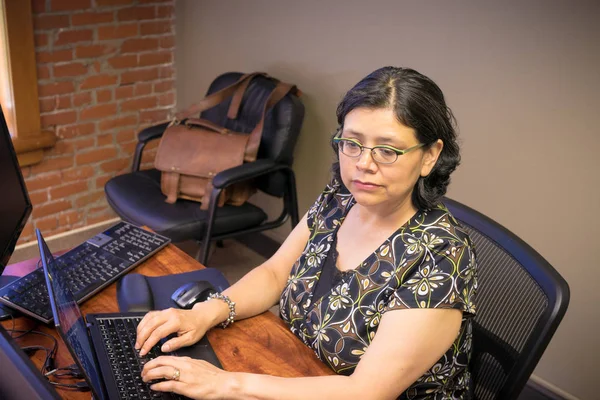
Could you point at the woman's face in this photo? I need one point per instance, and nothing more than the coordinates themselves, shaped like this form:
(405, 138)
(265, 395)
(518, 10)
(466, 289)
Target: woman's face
(376, 184)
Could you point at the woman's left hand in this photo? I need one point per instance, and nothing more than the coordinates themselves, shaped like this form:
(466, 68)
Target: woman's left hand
(196, 379)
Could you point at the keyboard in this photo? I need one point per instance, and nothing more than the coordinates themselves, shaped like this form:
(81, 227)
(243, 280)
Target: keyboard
(91, 267)
(118, 338)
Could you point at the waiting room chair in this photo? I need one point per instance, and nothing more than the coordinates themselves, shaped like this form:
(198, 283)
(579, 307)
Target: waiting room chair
(136, 197)
(520, 302)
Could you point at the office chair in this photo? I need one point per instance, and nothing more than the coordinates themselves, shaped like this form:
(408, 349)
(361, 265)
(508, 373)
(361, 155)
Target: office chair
(136, 196)
(520, 302)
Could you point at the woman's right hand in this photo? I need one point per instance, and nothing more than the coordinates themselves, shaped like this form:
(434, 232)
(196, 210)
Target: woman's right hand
(189, 325)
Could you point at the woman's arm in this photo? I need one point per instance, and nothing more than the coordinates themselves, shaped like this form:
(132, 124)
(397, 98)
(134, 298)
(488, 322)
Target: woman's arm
(407, 343)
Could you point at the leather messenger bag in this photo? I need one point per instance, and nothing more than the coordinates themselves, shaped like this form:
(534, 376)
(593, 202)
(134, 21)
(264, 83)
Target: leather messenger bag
(192, 152)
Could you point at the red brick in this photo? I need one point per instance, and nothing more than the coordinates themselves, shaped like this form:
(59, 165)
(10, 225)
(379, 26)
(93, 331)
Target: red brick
(46, 209)
(96, 156)
(46, 22)
(26, 172)
(68, 5)
(127, 148)
(117, 32)
(108, 124)
(69, 218)
(148, 155)
(103, 96)
(71, 69)
(43, 72)
(60, 118)
(164, 86)
(167, 99)
(138, 104)
(77, 174)
(140, 75)
(96, 220)
(84, 143)
(138, 45)
(91, 18)
(68, 190)
(154, 115)
(167, 42)
(102, 3)
(38, 6)
(155, 28)
(41, 39)
(63, 102)
(52, 164)
(62, 147)
(55, 88)
(136, 13)
(94, 50)
(96, 81)
(120, 62)
(46, 224)
(104, 140)
(73, 36)
(165, 11)
(42, 181)
(47, 104)
(96, 112)
(126, 135)
(142, 89)
(89, 198)
(124, 92)
(81, 99)
(54, 56)
(67, 132)
(97, 67)
(155, 58)
(117, 164)
(38, 197)
(166, 72)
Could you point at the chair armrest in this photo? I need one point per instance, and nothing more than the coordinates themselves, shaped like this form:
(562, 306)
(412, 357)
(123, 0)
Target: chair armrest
(245, 171)
(152, 132)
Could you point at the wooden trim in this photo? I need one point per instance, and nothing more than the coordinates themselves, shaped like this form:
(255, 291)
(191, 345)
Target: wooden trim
(18, 80)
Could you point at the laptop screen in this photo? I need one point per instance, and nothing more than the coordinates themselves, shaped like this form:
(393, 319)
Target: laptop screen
(68, 319)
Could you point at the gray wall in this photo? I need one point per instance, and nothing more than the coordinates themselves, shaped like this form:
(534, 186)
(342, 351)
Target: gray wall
(521, 77)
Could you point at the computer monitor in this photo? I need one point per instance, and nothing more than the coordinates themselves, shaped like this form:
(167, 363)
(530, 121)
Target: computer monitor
(15, 206)
(20, 379)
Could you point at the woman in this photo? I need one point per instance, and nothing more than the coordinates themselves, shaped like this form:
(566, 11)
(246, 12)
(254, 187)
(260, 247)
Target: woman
(378, 278)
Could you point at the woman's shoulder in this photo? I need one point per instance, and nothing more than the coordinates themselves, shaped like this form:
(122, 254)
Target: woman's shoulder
(440, 222)
(334, 197)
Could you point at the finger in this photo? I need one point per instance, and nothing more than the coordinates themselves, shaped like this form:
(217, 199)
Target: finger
(161, 361)
(177, 342)
(159, 332)
(171, 386)
(144, 328)
(160, 372)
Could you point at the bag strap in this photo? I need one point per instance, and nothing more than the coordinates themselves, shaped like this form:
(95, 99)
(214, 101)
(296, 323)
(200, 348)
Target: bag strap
(280, 91)
(218, 97)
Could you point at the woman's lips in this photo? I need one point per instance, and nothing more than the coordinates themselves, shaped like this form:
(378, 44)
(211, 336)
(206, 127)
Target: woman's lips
(365, 185)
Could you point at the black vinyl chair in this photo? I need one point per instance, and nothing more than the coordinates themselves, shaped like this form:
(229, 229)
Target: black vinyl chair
(136, 197)
(520, 302)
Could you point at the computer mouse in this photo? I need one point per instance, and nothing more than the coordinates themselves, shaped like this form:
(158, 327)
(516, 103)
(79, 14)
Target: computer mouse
(191, 293)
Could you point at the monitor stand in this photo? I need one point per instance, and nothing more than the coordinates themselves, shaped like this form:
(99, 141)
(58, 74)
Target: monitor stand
(6, 312)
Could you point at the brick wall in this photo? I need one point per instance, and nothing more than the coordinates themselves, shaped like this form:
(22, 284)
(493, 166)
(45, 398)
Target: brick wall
(105, 71)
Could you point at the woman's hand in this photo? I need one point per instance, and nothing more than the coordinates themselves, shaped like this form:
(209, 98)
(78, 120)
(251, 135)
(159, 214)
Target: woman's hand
(196, 379)
(190, 326)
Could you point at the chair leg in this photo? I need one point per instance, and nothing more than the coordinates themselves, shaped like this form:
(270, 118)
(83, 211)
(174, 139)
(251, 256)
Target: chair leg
(212, 210)
(293, 198)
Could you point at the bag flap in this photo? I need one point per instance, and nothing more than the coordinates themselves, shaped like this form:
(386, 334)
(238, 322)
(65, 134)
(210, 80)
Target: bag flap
(198, 151)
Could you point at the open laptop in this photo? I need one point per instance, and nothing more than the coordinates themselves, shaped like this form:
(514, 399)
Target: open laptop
(103, 346)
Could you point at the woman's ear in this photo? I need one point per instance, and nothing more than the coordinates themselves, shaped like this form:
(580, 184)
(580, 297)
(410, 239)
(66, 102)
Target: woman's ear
(430, 157)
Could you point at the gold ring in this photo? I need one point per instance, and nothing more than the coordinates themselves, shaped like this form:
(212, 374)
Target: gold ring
(176, 375)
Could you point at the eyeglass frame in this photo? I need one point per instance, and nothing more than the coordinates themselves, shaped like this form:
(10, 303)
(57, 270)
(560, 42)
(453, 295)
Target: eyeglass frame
(362, 147)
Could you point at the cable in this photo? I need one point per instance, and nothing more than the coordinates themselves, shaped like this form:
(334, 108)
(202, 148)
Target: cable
(79, 386)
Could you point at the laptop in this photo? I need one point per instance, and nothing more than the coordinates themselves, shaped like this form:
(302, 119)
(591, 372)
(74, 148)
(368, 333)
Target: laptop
(102, 345)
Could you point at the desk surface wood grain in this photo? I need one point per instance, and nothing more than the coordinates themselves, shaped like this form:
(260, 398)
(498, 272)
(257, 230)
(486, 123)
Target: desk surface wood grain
(262, 344)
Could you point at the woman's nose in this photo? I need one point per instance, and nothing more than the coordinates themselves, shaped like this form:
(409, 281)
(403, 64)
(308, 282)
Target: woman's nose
(365, 160)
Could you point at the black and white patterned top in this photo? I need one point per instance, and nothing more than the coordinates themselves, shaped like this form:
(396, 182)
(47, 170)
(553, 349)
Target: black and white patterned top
(429, 262)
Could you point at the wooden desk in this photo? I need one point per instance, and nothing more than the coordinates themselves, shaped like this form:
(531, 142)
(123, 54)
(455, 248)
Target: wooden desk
(262, 344)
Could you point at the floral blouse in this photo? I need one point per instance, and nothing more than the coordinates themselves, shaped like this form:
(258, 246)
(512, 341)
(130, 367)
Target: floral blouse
(429, 262)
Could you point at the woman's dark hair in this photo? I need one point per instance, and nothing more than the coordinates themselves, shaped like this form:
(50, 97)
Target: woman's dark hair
(419, 104)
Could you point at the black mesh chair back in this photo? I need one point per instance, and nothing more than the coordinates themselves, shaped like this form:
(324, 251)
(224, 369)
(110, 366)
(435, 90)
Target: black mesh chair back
(282, 123)
(520, 302)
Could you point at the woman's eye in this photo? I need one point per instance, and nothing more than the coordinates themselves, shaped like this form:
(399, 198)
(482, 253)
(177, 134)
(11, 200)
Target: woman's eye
(351, 145)
(386, 152)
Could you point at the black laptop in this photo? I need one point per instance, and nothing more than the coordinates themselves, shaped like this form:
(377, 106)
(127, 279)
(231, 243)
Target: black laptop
(102, 345)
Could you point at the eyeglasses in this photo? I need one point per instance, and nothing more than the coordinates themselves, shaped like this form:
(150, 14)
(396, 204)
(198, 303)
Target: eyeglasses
(382, 154)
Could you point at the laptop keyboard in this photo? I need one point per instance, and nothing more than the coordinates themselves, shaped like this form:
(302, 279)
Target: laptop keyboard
(91, 266)
(118, 336)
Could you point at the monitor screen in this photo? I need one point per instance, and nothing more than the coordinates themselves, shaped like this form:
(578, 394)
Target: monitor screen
(69, 321)
(15, 206)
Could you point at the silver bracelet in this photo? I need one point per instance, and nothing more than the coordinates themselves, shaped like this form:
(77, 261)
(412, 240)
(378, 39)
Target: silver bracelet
(230, 304)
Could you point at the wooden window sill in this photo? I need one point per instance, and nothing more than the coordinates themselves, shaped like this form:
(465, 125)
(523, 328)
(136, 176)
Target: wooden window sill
(30, 149)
